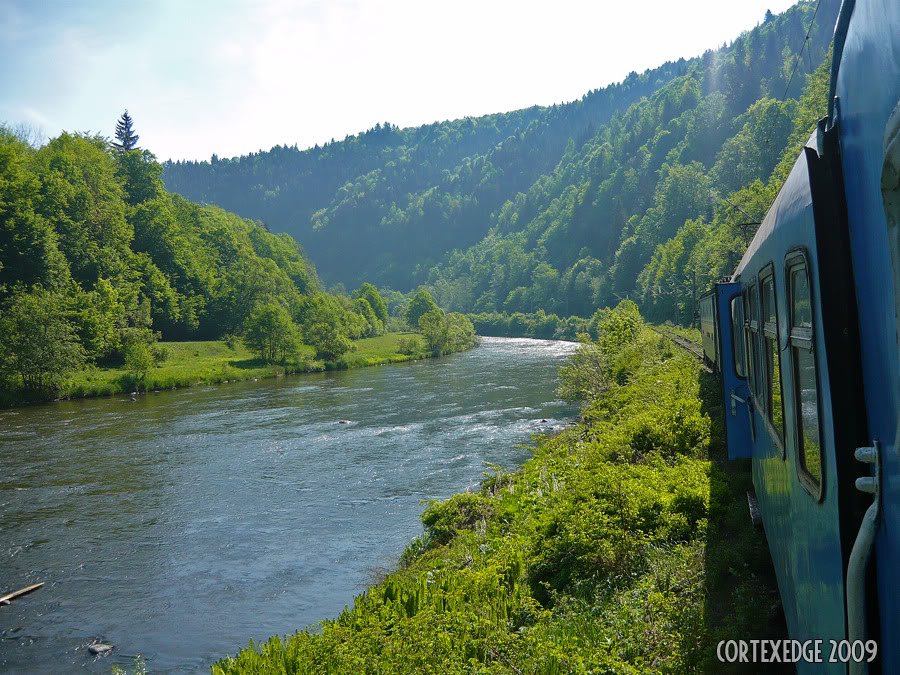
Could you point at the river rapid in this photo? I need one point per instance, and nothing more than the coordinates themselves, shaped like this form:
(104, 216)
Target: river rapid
(182, 524)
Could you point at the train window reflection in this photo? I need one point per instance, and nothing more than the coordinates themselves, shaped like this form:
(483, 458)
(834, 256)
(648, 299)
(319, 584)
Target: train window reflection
(737, 330)
(803, 357)
(769, 300)
(776, 409)
(801, 311)
(809, 448)
(772, 356)
(754, 346)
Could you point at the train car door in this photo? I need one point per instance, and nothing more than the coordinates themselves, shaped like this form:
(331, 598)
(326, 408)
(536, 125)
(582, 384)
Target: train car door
(735, 392)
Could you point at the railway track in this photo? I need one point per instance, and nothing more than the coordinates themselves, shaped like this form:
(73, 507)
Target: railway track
(684, 343)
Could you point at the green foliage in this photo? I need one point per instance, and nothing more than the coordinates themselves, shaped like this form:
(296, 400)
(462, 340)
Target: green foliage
(460, 512)
(409, 345)
(327, 340)
(29, 251)
(538, 325)
(435, 330)
(92, 224)
(446, 333)
(371, 295)
(754, 164)
(140, 359)
(38, 344)
(421, 304)
(595, 365)
(587, 374)
(270, 332)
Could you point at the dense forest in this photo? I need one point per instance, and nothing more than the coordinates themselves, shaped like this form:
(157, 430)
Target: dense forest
(649, 188)
(98, 262)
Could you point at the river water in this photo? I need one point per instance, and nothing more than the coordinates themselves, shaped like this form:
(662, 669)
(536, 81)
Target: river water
(182, 524)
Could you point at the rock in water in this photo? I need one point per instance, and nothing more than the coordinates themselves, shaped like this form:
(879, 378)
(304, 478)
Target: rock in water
(100, 649)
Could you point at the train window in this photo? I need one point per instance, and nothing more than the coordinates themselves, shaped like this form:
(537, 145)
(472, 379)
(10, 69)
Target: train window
(772, 355)
(737, 329)
(753, 301)
(809, 450)
(750, 368)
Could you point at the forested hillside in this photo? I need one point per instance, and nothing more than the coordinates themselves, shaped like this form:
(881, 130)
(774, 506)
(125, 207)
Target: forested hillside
(98, 262)
(643, 188)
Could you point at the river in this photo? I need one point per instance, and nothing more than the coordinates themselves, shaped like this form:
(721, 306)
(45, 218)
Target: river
(182, 524)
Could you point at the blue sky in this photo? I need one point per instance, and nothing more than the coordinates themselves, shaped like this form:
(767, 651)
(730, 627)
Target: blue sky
(231, 77)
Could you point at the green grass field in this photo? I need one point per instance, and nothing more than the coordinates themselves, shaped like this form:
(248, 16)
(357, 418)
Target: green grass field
(193, 363)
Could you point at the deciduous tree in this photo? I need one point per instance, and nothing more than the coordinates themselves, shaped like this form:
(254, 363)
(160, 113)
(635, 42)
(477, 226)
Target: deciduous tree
(271, 332)
(38, 345)
(421, 304)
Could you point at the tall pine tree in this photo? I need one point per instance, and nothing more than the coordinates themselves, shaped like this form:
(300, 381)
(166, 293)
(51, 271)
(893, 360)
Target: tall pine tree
(127, 138)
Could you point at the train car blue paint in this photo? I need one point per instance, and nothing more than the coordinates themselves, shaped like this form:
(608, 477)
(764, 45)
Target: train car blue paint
(802, 530)
(735, 391)
(827, 258)
(868, 89)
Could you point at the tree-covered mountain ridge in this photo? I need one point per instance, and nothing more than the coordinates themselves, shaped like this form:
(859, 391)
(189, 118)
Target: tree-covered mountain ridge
(641, 188)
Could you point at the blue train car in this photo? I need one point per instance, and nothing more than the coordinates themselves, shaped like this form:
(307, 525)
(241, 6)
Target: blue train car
(708, 335)
(808, 332)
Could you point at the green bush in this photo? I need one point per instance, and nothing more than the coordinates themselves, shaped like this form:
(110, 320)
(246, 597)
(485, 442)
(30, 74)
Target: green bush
(409, 345)
(460, 512)
(139, 359)
(160, 354)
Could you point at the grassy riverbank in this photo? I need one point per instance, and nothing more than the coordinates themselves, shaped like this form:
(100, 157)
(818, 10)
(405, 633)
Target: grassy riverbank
(623, 545)
(192, 363)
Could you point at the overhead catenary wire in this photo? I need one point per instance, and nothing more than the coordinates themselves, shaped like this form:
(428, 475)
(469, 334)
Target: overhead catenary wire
(758, 220)
(797, 63)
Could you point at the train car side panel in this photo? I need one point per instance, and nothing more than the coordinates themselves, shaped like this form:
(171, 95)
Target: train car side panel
(802, 525)
(868, 89)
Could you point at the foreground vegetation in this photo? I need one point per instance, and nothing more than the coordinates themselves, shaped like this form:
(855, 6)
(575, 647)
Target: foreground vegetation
(622, 546)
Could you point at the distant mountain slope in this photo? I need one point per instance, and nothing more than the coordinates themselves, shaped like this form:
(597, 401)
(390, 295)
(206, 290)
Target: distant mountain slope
(429, 188)
(559, 207)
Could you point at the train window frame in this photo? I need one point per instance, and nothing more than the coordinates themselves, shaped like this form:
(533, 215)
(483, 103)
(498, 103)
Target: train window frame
(753, 324)
(802, 337)
(769, 331)
(736, 336)
(750, 367)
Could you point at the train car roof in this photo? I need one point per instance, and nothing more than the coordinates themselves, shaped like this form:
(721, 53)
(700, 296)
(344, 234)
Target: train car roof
(794, 195)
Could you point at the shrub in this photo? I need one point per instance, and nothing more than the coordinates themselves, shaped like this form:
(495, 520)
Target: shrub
(160, 354)
(409, 345)
(460, 512)
(139, 359)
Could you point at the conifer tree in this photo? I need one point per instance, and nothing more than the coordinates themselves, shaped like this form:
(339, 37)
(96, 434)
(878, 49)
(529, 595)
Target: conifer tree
(127, 138)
